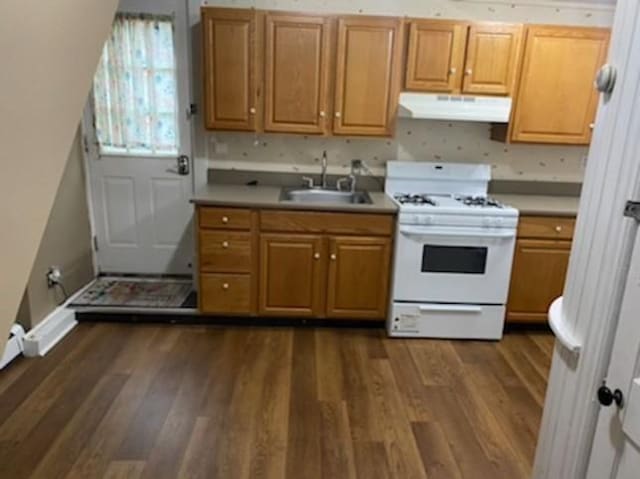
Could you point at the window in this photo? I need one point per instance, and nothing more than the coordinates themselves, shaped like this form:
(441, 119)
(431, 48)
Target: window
(134, 89)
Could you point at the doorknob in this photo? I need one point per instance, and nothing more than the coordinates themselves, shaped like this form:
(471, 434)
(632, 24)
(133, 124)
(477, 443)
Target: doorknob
(606, 397)
(183, 165)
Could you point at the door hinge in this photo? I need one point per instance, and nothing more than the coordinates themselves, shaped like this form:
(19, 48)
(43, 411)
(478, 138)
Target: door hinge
(95, 243)
(192, 110)
(85, 143)
(632, 210)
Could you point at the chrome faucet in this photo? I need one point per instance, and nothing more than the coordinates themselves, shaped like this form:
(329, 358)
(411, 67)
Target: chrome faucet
(323, 174)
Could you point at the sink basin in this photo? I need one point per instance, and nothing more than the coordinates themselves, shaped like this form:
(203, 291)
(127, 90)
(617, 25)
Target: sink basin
(313, 195)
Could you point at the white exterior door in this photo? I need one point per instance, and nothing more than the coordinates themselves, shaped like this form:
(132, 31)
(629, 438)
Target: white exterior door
(140, 203)
(616, 446)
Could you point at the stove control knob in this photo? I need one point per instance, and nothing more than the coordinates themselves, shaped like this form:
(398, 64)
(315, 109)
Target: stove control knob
(415, 219)
(498, 222)
(427, 220)
(486, 222)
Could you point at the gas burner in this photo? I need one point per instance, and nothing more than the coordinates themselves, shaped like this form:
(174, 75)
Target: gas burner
(414, 199)
(481, 201)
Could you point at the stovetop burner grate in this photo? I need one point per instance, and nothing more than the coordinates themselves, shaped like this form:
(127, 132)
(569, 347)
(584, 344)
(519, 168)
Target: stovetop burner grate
(414, 199)
(482, 201)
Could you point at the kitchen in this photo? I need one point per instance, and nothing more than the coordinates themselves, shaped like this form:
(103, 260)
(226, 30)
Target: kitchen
(410, 171)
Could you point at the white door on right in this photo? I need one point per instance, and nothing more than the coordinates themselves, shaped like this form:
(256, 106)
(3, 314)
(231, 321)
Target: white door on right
(616, 447)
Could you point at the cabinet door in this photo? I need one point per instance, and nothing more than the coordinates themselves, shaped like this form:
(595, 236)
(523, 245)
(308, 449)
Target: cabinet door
(435, 55)
(296, 73)
(229, 68)
(367, 75)
(291, 275)
(537, 278)
(556, 100)
(493, 50)
(358, 277)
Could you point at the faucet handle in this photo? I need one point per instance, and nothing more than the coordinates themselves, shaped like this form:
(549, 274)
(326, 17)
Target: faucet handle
(308, 181)
(351, 179)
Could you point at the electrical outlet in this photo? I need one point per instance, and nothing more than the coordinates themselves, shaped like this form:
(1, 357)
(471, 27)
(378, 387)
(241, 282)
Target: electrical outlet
(356, 166)
(54, 276)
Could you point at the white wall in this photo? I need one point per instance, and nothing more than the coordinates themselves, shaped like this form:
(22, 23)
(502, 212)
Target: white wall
(49, 52)
(414, 140)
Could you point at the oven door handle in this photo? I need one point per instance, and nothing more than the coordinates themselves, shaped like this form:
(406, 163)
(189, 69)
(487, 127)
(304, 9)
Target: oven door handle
(456, 232)
(450, 308)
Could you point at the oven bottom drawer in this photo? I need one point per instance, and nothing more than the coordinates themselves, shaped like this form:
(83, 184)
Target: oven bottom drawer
(457, 321)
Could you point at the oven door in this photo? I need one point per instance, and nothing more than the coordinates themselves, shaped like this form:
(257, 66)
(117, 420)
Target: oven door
(453, 264)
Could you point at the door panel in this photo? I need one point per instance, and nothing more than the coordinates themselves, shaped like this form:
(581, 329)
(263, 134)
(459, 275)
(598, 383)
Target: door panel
(291, 275)
(616, 444)
(296, 73)
(367, 75)
(537, 278)
(229, 68)
(121, 217)
(556, 100)
(140, 204)
(358, 277)
(435, 55)
(492, 58)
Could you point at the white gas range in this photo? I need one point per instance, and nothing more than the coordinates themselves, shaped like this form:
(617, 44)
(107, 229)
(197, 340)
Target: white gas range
(454, 249)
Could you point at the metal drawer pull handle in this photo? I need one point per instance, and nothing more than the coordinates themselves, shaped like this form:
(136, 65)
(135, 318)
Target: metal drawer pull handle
(338, 114)
(225, 285)
(333, 256)
(451, 308)
(558, 228)
(468, 71)
(252, 111)
(225, 244)
(453, 70)
(316, 256)
(225, 219)
(321, 114)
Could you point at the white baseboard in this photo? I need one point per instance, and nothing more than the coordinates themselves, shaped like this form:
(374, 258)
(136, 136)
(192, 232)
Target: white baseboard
(14, 345)
(49, 332)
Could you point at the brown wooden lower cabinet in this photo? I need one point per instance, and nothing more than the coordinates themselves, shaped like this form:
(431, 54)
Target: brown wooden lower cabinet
(225, 293)
(358, 277)
(291, 274)
(296, 263)
(539, 267)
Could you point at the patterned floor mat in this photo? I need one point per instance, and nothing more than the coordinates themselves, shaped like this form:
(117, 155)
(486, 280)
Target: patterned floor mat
(139, 293)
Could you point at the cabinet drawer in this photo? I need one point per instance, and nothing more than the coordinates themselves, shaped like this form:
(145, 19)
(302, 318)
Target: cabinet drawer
(225, 293)
(337, 223)
(546, 227)
(224, 218)
(225, 251)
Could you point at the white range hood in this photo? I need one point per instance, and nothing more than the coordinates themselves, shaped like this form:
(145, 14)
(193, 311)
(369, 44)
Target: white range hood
(428, 106)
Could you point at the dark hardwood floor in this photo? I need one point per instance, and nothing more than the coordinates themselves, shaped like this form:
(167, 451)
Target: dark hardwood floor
(165, 401)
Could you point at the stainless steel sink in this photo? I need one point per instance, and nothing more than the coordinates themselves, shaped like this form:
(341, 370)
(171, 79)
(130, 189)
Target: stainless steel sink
(318, 195)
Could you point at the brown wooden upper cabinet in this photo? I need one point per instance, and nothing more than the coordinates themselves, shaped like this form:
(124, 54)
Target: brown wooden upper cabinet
(459, 57)
(367, 75)
(556, 100)
(297, 61)
(493, 51)
(435, 55)
(229, 63)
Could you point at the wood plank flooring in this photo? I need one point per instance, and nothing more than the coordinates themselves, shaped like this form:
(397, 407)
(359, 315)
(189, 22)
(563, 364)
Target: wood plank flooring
(170, 401)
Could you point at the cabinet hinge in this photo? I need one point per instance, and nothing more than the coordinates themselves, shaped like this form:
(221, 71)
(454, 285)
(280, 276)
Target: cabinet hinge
(95, 243)
(192, 110)
(632, 210)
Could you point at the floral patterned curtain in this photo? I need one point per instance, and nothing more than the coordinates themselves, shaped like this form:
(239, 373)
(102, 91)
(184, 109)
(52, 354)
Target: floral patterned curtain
(135, 97)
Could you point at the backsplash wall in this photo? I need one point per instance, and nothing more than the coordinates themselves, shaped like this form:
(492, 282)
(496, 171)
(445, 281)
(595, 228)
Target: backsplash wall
(415, 140)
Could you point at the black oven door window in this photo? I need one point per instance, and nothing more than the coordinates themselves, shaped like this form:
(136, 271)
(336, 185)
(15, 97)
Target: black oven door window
(454, 259)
